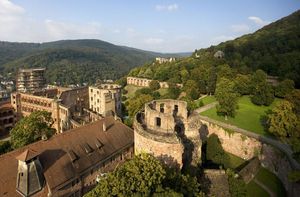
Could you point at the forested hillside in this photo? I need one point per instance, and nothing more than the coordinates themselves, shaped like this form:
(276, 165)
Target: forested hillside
(274, 49)
(73, 61)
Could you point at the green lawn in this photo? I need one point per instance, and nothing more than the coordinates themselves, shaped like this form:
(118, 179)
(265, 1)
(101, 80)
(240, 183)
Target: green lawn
(208, 99)
(131, 90)
(163, 91)
(247, 117)
(234, 161)
(254, 190)
(271, 181)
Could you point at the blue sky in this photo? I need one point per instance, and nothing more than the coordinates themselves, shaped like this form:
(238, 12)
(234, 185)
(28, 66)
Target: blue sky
(157, 25)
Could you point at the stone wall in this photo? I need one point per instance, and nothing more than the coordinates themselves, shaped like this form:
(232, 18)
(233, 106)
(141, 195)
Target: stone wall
(143, 82)
(276, 162)
(232, 142)
(170, 153)
(246, 148)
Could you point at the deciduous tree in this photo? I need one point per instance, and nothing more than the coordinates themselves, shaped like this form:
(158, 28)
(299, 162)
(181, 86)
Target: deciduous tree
(32, 128)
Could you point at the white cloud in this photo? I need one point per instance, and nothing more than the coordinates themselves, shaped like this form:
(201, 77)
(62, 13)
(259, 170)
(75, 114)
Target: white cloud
(241, 28)
(258, 21)
(154, 41)
(170, 7)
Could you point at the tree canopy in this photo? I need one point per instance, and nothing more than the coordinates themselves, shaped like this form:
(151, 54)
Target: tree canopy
(144, 175)
(32, 128)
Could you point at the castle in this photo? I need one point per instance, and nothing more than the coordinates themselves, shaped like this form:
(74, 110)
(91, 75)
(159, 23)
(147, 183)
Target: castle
(166, 129)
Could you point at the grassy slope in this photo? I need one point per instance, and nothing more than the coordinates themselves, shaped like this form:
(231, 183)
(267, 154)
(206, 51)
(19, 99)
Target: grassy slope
(132, 89)
(254, 190)
(271, 181)
(247, 117)
(234, 161)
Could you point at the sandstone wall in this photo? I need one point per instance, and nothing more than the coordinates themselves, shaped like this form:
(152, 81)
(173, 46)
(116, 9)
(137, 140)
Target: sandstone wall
(233, 142)
(170, 153)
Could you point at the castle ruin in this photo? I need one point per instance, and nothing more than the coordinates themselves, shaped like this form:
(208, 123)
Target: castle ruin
(166, 129)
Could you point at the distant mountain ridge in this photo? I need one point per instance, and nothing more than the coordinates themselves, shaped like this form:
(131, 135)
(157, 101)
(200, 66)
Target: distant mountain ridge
(74, 61)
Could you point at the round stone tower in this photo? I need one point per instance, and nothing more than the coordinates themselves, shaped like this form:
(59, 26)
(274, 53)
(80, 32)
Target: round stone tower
(164, 129)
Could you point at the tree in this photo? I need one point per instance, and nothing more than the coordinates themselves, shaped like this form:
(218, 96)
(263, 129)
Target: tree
(154, 85)
(144, 175)
(262, 92)
(212, 80)
(227, 98)
(136, 103)
(5, 146)
(242, 84)
(237, 186)
(214, 150)
(263, 95)
(32, 128)
(294, 98)
(284, 88)
(283, 121)
(173, 91)
(191, 89)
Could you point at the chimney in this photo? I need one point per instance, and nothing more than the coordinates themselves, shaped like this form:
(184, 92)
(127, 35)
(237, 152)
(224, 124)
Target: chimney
(104, 126)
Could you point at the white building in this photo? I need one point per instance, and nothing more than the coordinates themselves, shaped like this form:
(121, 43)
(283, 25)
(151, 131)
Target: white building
(105, 99)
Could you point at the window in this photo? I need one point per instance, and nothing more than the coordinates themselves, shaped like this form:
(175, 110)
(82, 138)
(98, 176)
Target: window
(176, 108)
(161, 108)
(158, 121)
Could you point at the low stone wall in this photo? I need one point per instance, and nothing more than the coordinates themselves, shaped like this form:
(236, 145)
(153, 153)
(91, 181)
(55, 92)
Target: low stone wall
(233, 142)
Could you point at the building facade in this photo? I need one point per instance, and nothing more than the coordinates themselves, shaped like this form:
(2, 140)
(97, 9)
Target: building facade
(143, 82)
(105, 99)
(7, 117)
(30, 80)
(165, 129)
(68, 164)
(63, 104)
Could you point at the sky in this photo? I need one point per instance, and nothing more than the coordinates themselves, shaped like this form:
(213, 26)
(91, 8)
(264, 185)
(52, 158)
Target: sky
(156, 25)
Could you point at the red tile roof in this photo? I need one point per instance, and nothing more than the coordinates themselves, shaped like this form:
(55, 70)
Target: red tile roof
(57, 153)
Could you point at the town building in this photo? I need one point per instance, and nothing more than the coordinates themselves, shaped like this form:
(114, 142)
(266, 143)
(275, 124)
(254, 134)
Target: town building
(63, 103)
(143, 82)
(166, 129)
(30, 80)
(161, 60)
(105, 99)
(68, 164)
(7, 117)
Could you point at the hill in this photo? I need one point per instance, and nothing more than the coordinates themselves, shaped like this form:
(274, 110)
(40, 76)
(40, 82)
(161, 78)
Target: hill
(74, 61)
(275, 49)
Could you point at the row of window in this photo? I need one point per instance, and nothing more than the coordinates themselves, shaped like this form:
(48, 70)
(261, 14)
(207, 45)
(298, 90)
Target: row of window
(36, 102)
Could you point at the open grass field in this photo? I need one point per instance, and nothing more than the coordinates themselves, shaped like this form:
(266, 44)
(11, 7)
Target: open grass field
(271, 181)
(254, 190)
(247, 117)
